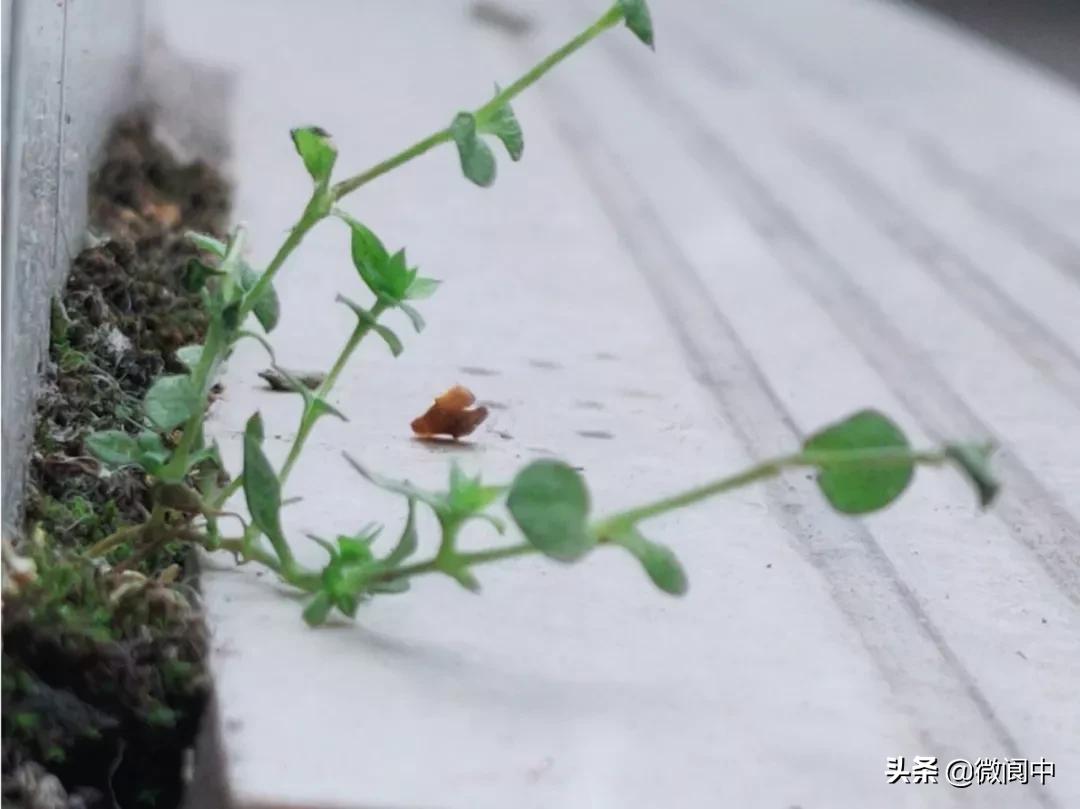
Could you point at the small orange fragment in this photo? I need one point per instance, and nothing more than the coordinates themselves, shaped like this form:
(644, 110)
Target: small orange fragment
(452, 415)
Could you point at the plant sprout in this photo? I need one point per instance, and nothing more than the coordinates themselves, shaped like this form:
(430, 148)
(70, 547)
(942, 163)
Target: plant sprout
(863, 462)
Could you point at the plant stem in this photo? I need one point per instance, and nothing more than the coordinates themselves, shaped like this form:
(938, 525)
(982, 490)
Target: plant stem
(448, 560)
(880, 458)
(213, 351)
(294, 574)
(346, 187)
(294, 451)
(228, 491)
(495, 554)
(610, 18)
(296, 235)
(317, 209)
(361, 331)
(214, 345)
(760, 471)
(113, 540)
(315, 212)
(440, 563)
(307, 421)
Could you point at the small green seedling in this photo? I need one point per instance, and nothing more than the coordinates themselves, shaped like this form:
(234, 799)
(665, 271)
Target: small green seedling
(863, 463)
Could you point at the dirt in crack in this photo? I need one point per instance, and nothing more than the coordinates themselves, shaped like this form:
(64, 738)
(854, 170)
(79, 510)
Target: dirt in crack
(103, 678)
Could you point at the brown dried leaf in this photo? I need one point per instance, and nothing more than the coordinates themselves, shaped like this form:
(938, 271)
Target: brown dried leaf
(452, 414)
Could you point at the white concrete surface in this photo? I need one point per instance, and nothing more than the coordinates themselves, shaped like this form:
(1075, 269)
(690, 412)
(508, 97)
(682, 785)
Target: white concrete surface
(778, 218)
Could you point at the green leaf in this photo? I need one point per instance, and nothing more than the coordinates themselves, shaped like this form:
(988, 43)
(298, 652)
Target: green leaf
(422, 288)
(414, 316)
(659, 562)
(267, 308)
(171, 401)
(315, 407)
(231, 260)
(351, 567)
(348, 603)
(974, 461)
(254, 429)
(637, 17)
(316, 148)
(368, 253)
(317, 610)
(467, 495)
(367, 248)
(855, 487)
(230, 316)
(152, 453)
(402, 487)
(112, 447)
(210, 455)
(262, 490)
(190, 355)
(208, 243)
(392, 587)
(224, 299)
(365, 316)
(407, 542)
(388, 276)
(326, 546)
(549, 502)
(465, 577)
(320, 407)
(396, 276)
(355, 550)
(149, 442)
(477, 161)
(59, 321)
(504, 125)
(195, 275)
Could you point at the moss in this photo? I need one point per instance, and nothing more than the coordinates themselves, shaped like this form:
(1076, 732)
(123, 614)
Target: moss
(103, 675)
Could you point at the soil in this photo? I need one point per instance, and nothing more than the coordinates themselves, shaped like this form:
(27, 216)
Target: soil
(103, 677)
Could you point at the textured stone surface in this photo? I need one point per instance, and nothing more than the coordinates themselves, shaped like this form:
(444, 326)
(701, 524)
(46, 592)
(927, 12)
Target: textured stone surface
(69, 69)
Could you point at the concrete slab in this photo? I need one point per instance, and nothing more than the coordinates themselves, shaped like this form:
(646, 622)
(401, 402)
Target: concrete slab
(703, 255)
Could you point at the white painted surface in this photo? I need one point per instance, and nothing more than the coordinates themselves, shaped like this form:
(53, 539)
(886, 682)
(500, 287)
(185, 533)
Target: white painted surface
(675, 248)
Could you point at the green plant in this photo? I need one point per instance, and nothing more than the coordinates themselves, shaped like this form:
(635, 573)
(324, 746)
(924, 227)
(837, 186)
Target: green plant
(863, 462)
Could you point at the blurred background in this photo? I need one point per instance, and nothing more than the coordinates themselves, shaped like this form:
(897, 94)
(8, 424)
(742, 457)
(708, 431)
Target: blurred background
(1046, 31)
